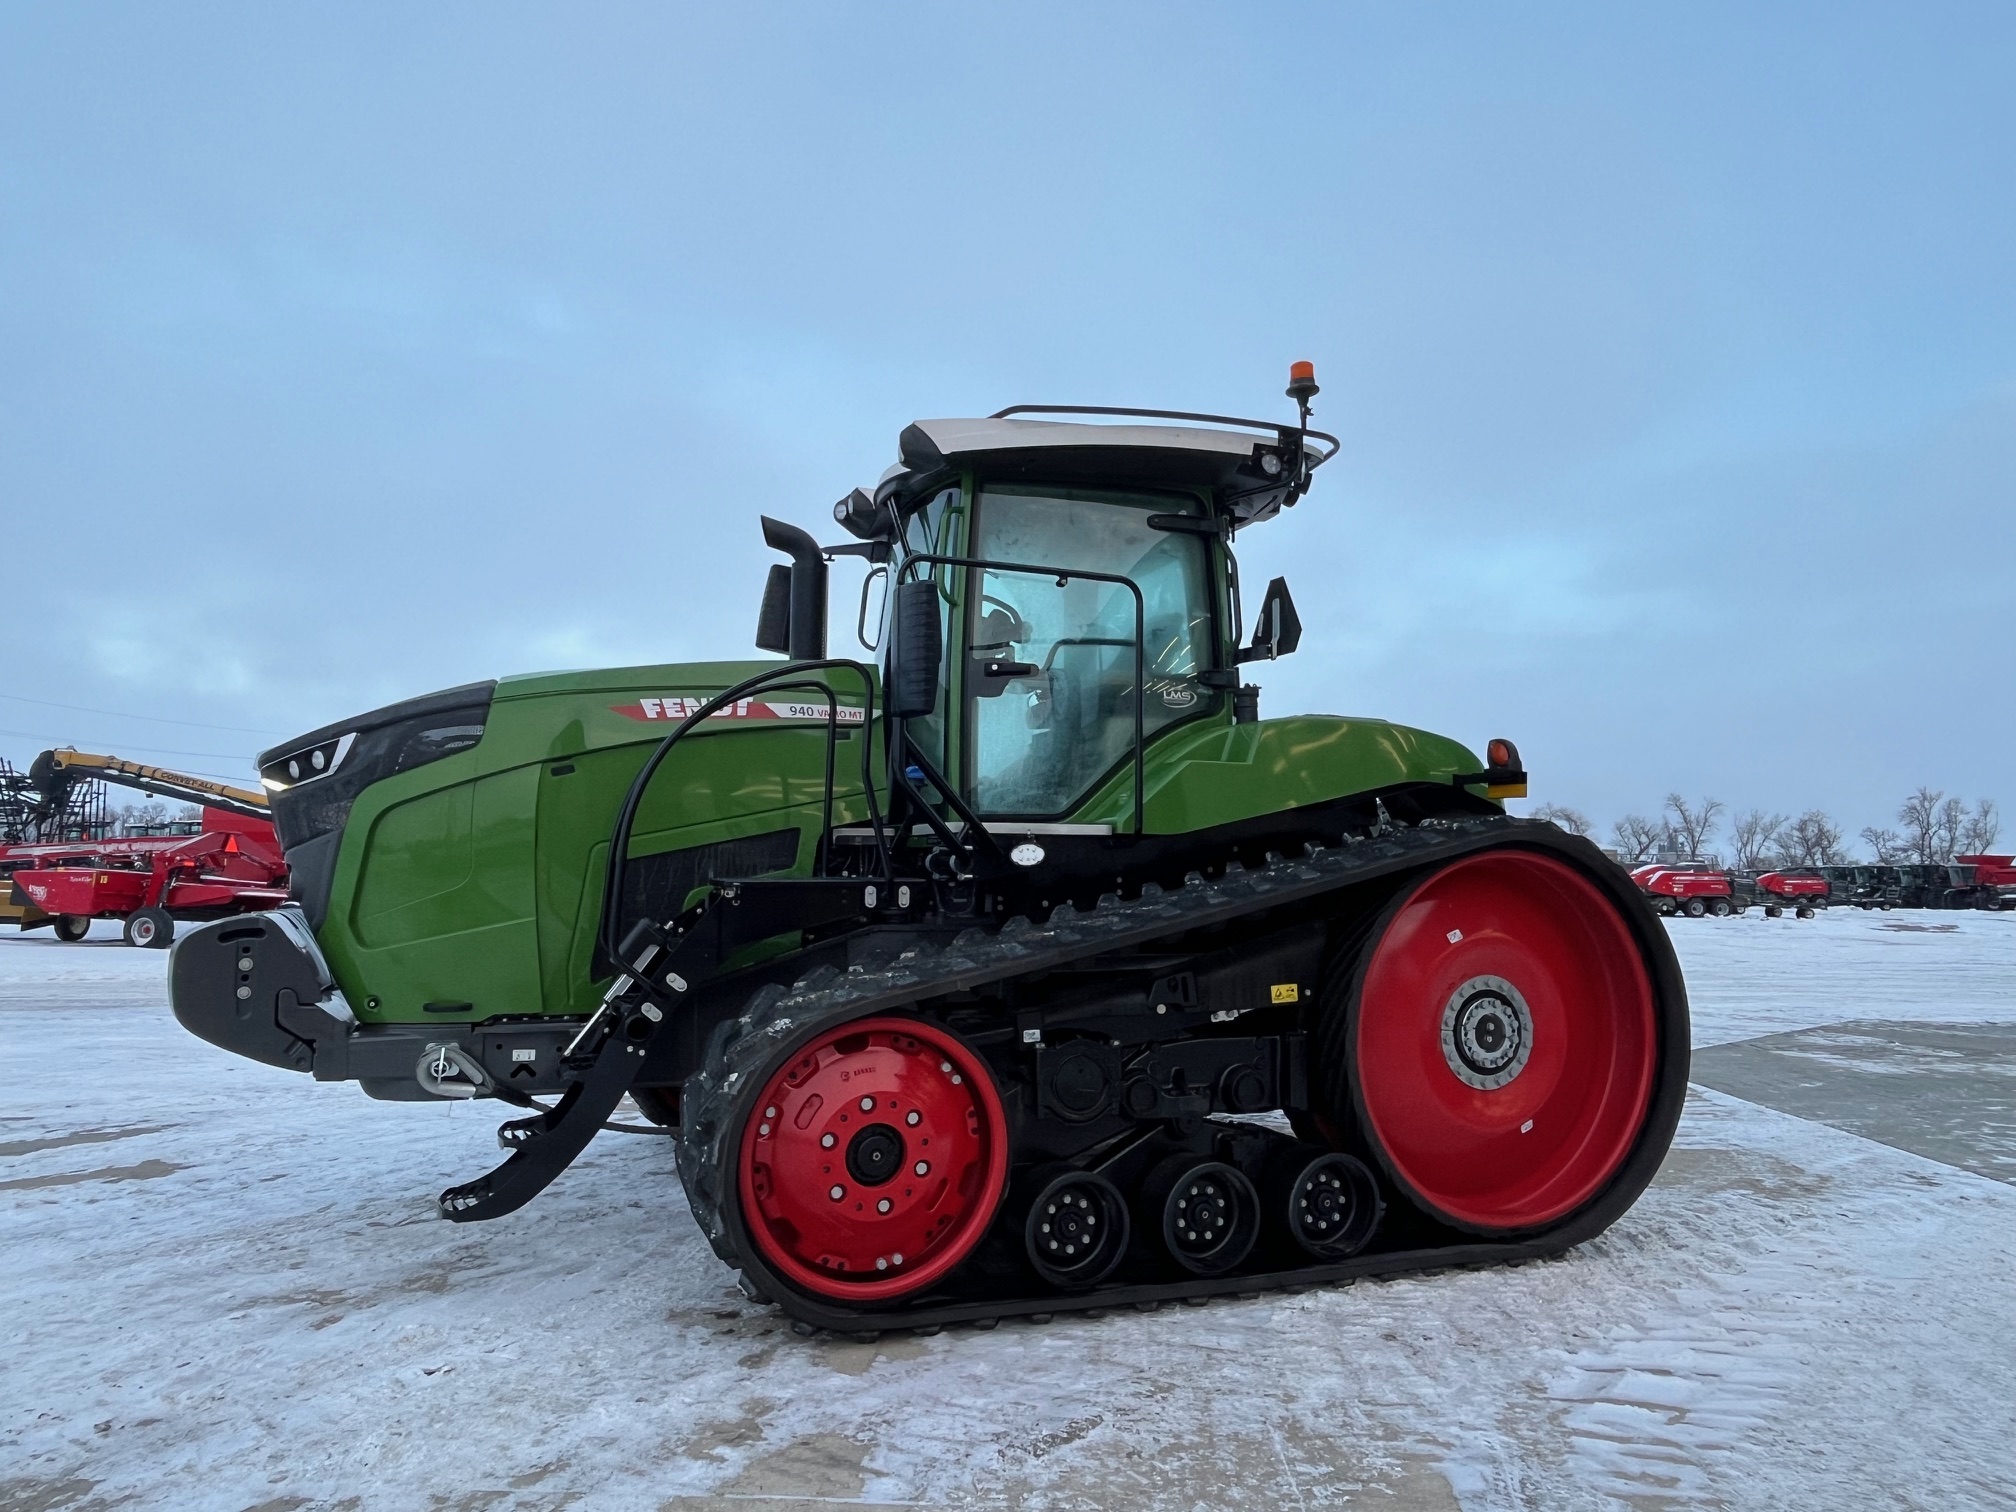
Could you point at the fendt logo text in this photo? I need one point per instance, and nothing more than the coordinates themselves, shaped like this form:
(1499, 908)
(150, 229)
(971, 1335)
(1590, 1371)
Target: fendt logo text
(676, 707)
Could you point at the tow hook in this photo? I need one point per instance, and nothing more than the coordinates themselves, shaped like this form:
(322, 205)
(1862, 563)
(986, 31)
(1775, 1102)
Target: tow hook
(447, 1070)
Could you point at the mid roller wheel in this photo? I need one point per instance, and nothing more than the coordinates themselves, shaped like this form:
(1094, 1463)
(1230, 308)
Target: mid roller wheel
(871, 1162)
(1323, 1200)
(1500, 1043)
(1205, 1212)
(1076, 1230)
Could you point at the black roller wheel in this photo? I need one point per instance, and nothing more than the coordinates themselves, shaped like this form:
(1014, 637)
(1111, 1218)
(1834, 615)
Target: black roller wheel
(1077, 1228)
(1805, 913)
(1206, 1213)
(71, 928)
(150, 928)
(1773, 911)
(1695, 908)
(1325, 1201)
(1719, 908)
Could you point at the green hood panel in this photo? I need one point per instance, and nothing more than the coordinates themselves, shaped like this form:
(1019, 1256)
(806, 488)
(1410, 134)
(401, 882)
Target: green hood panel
(1210, 774)
(477, 879)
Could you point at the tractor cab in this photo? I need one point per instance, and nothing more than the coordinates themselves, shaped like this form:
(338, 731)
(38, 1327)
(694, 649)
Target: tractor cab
(1048, 597)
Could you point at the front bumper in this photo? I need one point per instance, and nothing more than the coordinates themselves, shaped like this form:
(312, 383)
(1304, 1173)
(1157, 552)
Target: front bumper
(257, 985)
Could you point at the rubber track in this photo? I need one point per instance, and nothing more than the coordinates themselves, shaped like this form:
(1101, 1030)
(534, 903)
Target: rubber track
(778, 1018)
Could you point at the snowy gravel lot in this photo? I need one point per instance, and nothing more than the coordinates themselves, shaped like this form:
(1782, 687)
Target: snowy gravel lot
(225, 1288)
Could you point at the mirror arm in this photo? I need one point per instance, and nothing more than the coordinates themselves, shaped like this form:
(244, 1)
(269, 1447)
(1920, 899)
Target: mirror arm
(874, 551)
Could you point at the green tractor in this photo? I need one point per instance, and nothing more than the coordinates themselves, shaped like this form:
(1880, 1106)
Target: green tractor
(1020, 966)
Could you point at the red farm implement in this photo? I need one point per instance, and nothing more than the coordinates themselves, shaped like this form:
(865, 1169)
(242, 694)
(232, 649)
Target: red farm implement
(64, 875)
(1690, 888)
(1801, 892)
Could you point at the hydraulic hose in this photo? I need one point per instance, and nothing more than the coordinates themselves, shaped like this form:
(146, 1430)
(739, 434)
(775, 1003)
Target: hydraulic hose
(619, 841)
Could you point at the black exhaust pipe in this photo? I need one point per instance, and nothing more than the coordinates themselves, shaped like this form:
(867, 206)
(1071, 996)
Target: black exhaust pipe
(806, 635)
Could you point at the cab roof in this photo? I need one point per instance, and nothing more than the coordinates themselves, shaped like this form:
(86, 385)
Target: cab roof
(1252, 471)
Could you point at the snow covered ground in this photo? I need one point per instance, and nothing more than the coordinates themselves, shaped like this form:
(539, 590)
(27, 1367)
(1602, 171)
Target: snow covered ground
(225, 1289)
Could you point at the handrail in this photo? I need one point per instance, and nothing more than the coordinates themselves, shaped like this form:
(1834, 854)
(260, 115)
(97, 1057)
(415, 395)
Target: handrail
(618, 864)
(1279, 427)
(1064, 575)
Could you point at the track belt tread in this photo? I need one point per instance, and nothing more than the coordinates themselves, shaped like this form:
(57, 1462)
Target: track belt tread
(777, 1016)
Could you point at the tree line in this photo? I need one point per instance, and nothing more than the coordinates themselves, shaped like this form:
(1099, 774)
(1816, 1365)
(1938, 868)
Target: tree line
(1931, 828)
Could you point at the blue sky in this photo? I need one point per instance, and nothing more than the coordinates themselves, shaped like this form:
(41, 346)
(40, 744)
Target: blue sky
(347, 352)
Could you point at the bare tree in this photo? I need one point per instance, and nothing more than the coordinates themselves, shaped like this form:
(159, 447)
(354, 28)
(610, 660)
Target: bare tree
(1983, 825)
(1952, 824)
(1886, 846)
(1811, 840)
(1752, 834)
(1920, 817)
(1635, 837)
(1572, 820)
(1690, 825)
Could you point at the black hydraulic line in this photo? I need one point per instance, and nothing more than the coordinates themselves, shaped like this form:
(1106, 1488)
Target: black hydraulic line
(619, 841)
(532, 1104)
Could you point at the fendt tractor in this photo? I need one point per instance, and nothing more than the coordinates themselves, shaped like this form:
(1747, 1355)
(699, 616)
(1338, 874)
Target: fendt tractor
(1022, 968)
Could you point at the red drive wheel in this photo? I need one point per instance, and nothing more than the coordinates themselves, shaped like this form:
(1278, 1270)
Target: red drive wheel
(872, 1162)
(1502, 1041)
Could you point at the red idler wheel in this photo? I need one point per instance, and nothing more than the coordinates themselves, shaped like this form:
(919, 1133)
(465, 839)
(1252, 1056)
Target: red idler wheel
(872, 1162)
(1501, 1041)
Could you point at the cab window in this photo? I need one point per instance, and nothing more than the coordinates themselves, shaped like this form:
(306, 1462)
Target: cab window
(1056, 713)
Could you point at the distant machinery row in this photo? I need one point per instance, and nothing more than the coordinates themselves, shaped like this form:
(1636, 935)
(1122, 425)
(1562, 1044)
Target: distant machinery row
(63, 862)
(1697, 889)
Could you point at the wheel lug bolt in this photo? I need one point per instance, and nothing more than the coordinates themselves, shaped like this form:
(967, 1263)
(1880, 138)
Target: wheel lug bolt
(825, 1141)
(913, 1118)
(837, 1193)
(867, 1105)
(923, 1168)
(882, 1206)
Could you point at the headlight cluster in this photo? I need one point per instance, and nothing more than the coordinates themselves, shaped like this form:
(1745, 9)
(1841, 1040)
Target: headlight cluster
(305, 763)
(314, 779)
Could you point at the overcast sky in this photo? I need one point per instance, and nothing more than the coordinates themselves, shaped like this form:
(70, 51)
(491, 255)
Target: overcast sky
(351, 352)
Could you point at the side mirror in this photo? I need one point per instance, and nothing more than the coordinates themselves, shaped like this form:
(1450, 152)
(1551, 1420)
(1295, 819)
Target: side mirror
(1277, 629)
(916, 651)
(773, 622)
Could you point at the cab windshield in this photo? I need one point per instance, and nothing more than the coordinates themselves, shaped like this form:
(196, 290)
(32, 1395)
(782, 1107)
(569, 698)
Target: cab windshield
(1056, 713)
